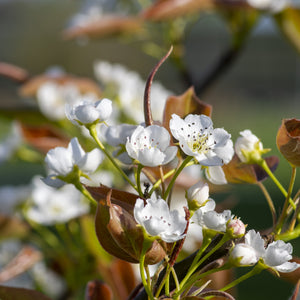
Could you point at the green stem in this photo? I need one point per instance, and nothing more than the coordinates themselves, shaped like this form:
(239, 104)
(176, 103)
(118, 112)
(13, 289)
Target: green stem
(175, 279)
(178, 171)
(289, 235)
(265, 166)
(196, 262)
(296, 213)
(269, 201)
(93, 133)
(165, 281)
(287, 201)
(85, 192)
(146, 282)
(256, 270)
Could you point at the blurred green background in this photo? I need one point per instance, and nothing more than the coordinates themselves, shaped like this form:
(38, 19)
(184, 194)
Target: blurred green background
(259, 89)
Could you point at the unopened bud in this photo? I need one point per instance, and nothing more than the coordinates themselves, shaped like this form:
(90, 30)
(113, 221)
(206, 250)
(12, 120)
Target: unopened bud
(197, 195)
(236, 228)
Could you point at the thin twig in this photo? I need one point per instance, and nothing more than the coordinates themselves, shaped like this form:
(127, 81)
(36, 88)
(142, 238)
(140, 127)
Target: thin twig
(147, 100)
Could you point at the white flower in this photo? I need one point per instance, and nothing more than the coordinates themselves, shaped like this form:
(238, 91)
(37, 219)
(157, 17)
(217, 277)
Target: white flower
(277, 256)
(249, 252)
(11, 142)
(243, 255)
(51, 206)
(247, 143)
(158, 220)
(52, 97)
(216, 221)
(61, 161)
(88, 112)
(215, 175)
(151, 146)
(196, 136)
(198, 215)
(273, 6)
(254, 239)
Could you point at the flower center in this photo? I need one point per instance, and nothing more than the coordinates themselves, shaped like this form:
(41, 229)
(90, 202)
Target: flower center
(199, 143)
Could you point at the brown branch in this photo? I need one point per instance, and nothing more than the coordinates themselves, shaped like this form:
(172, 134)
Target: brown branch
(147, 100)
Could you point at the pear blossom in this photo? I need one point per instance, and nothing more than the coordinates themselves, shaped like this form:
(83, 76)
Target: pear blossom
(275, 256)
(243, 255)
(247, 144)
(215, 175)
(61, 162)
(210, 205)
(151, 146)
(158, 220)
(89, 112)
(198, 138)
(216, 221)
(51, 205)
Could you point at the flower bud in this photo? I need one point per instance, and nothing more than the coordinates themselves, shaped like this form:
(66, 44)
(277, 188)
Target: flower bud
(288, 140)
(117, 230)
(197, 195)
(248, 148)
(236, 228)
